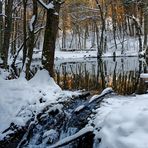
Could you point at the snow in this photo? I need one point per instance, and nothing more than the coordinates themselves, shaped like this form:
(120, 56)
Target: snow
(56, 13)
(128, 46)
(130, 50)
(79, 108)
(120, 121)
(4, 73)
(90, 54)
(144, 75)
(50, 135)
(123, 122)
(131, 46)
(142, 53)
(74, 54)
(75, 136)
(105, 91)
(2, 14)
(31, 23)
(20, 99)
(47, 133)
(47, 6)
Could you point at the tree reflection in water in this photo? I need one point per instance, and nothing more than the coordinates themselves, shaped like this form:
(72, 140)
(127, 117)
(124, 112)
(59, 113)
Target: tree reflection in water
(122, 74)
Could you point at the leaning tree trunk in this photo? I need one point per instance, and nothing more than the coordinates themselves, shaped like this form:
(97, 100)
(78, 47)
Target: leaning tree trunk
(7, 31)
(50, 38)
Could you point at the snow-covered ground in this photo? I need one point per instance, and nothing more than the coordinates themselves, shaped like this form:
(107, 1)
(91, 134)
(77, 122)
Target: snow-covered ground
(127, 46)
(130, 48)
(20, 99)
(123, 122)
(120, 122)
(92, 54)
(83, 54)
(74, 54)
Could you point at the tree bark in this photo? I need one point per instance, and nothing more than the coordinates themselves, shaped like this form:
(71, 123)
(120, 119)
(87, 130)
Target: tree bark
(24, 31)
(31, 41)
(50, 38)
(101, 46)
(145, 45)
(7, 31)
(1, 27)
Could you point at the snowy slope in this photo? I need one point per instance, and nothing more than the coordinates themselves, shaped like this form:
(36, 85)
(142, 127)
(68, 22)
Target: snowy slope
(123, 122)
(19, 98)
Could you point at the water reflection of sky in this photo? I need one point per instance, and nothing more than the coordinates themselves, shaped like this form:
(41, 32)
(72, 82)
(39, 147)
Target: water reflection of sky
(92, 74)
(123, 64)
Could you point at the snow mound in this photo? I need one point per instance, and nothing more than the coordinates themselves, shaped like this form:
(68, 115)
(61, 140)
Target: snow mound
(43, 79)
(20, 99)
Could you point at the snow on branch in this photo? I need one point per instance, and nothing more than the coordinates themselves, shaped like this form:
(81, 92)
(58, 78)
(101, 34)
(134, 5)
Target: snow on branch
(50, 5)
(69, 139)
(46, 6)
(1, 14)
(31, 23)
(136, 20)
(22, 45)
(104, 93)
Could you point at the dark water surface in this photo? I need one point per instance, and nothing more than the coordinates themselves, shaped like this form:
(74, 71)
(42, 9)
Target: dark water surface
(121, 74)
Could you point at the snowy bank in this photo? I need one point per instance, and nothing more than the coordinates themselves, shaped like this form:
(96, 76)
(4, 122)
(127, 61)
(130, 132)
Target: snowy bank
(123, 122)
(130, 50)
(20, 99)
(127, 48)
(91, 54)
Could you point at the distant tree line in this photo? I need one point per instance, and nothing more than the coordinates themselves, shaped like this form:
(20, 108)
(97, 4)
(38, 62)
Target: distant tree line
(102, 21)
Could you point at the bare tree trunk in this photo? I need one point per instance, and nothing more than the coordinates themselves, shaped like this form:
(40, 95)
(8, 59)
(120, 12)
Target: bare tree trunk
(114, 25)
(101, 47)
(50, 38)
(93, 35)
(24, 31)
(145, 45)
(85, 35)
(31, 41)
(64, 17)
(7, 31)
(138, 31)
(14, 36)
(97, 34)
(1, 27)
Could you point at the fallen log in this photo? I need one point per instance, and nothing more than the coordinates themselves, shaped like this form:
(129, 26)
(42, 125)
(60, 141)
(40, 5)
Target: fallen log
(83, 132)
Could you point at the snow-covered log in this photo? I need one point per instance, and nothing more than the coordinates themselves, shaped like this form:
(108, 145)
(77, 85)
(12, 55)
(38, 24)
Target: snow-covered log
(67, 140)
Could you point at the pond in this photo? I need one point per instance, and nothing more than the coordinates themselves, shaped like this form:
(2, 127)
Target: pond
(122, 74)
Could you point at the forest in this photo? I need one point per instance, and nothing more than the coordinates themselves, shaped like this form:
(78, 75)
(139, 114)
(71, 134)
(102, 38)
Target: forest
(69, 25)
(73, 73)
